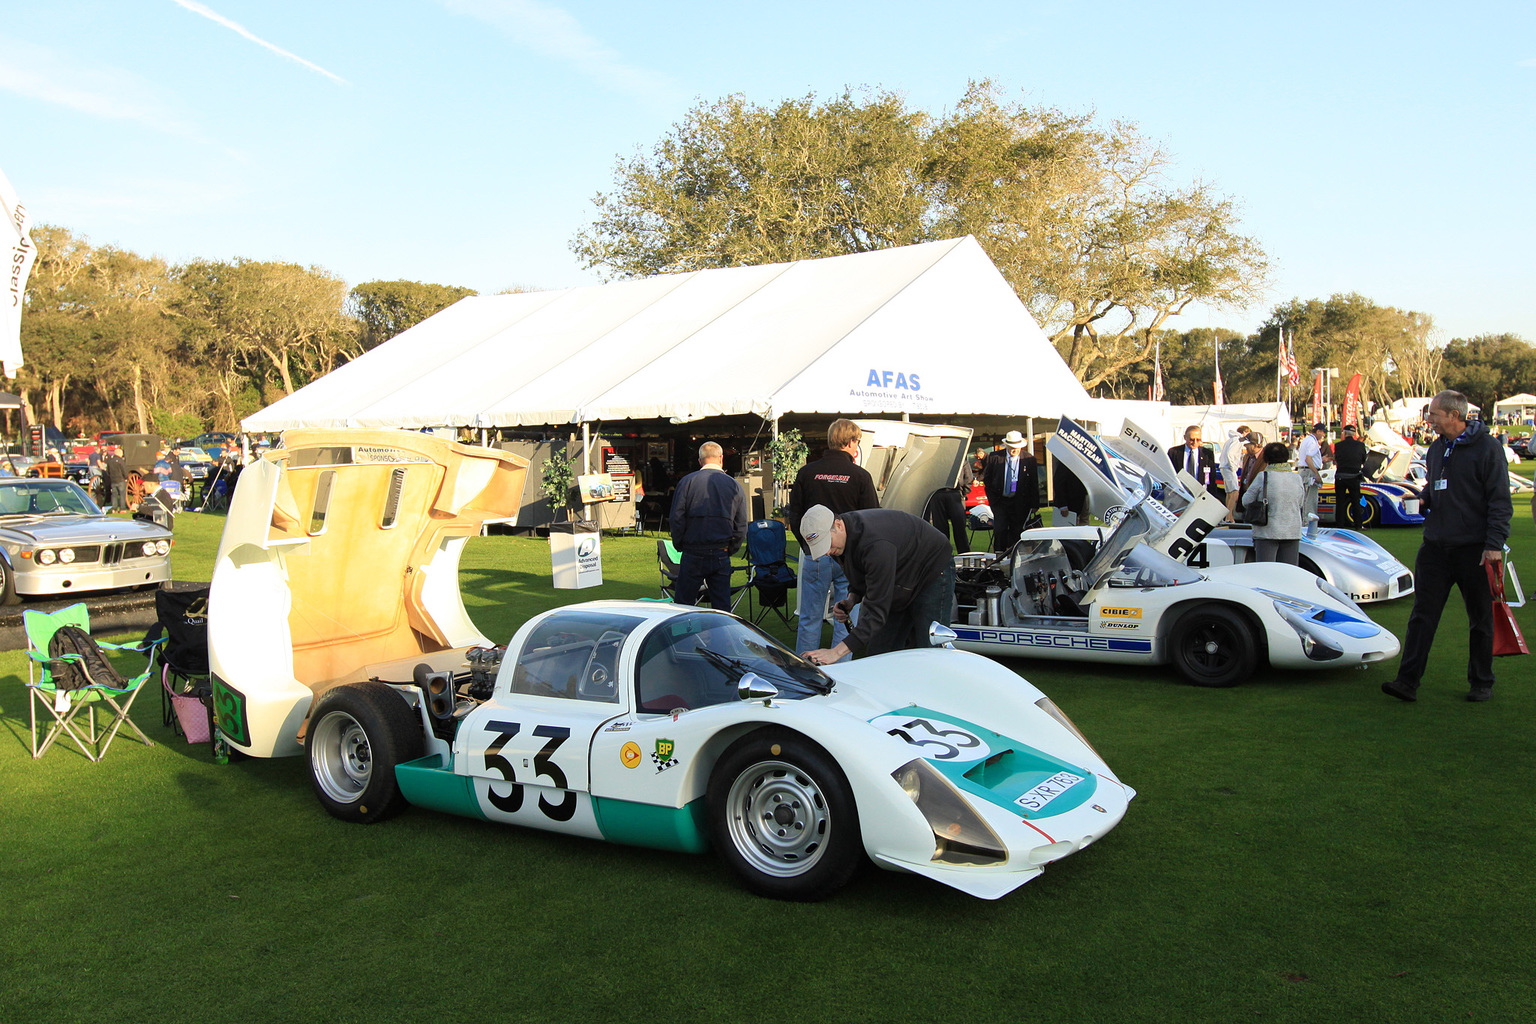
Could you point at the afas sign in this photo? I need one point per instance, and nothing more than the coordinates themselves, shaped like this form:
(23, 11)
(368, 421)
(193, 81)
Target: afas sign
(894, 380)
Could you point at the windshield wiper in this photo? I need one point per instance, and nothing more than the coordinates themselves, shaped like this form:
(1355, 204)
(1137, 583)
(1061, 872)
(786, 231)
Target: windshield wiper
(722, 661)
(811, 680)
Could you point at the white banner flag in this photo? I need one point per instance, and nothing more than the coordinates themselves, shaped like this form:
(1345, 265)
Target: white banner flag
(17, 266)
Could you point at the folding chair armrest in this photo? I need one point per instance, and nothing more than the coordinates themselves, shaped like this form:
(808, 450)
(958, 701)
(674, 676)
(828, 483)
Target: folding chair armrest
(138, 646)
(46, 659)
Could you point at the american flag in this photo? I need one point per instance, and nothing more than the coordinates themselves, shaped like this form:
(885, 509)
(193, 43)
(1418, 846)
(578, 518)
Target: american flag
(1288, 360)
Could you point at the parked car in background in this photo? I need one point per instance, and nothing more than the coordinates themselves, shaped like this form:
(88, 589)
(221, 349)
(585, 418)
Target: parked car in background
(55, 540)
(211, 442)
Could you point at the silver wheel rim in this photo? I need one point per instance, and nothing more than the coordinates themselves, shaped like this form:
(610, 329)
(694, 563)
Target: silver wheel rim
(778, 818)
(341, 760)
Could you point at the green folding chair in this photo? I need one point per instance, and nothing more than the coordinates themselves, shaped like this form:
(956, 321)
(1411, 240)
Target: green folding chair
(74, 710)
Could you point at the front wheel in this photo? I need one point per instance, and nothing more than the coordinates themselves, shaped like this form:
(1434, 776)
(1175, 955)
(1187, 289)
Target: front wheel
(1370, 514)
(782, 816)
(357, 735)
(7, 585)
(1213, 646)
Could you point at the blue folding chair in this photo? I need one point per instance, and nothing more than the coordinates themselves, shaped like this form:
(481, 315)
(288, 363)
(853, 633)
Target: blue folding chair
(769, 576)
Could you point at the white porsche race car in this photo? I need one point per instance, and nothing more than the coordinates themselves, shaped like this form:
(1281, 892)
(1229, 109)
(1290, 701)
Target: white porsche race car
(1128, 597)
(1118, 472)
(337, 631)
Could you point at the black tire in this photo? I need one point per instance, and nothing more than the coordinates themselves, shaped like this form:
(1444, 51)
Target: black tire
(782, 815)
(8, 595)
(1213, 646)
(357, 734)
(1372, 515)
(1306, 563)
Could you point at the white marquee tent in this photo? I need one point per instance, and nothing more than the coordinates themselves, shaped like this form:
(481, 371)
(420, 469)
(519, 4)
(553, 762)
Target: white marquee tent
(1520, 407)
(932, 330)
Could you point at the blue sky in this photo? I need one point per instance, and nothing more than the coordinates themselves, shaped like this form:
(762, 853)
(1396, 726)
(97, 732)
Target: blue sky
(1387, 149)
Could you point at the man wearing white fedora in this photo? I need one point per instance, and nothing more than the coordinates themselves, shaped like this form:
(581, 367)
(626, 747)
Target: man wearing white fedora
(1012, 481)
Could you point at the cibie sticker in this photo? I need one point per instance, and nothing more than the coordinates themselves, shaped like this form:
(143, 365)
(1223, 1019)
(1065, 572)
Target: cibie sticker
(630, 755)
(936, 740)
(1120, 613)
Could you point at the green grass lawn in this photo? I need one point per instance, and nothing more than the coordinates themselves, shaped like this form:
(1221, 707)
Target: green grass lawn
(1303, 848)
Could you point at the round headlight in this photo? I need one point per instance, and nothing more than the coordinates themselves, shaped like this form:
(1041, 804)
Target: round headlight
(67, 555)
(162, 547)
(149, 548)
(911, 783)
(46, 557)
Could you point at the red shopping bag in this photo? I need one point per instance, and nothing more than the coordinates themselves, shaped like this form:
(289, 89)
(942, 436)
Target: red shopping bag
(1506, 632)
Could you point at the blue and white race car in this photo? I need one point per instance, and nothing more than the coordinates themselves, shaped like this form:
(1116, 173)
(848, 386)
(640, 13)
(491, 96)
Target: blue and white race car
(1382, 503)
(336, 631)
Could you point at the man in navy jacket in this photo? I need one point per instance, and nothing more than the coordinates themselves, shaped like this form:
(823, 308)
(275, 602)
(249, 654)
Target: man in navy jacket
(709, 522)
(1466, 522)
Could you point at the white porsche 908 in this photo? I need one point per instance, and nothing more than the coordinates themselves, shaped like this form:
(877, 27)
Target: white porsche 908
(337, 631)
(1117, 472)
(1124, 594)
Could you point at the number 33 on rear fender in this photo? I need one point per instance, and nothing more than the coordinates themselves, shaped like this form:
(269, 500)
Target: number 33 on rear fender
(531, 773)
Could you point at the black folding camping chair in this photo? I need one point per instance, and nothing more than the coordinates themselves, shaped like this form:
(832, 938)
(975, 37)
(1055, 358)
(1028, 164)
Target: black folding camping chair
(186, 698)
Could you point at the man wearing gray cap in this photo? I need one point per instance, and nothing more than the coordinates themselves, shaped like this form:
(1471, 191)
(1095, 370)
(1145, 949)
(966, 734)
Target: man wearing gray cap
(901, 574)
(1012, 481)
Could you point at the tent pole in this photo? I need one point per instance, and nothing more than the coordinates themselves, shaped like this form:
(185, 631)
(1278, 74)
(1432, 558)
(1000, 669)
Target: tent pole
(586, 464)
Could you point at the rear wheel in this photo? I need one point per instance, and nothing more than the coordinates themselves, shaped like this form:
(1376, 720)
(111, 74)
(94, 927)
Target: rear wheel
(1369, 513)
(357, 735)
(782, 816)
(1214, 646)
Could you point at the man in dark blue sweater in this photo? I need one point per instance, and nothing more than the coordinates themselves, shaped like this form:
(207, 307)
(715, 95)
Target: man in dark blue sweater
(1466, 523)
(709, 522)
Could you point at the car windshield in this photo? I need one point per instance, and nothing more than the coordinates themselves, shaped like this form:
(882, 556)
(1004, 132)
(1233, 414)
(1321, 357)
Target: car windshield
(45, 497)
(695, 660)
(1145, 566)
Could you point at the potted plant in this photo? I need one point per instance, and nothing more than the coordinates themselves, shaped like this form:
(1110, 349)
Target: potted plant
(786, 455)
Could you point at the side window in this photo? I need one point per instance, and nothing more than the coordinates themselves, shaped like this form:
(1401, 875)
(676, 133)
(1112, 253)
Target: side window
(322, 502)
(573, 656)
(392, 500)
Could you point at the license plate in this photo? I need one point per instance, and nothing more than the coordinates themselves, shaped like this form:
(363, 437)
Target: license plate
(1048, 790)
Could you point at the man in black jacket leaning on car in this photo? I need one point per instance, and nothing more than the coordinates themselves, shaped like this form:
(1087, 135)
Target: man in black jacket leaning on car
(709, 522)
(901, 574)
(1466, 522)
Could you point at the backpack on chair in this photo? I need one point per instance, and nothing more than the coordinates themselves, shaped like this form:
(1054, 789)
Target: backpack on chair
(88, 667)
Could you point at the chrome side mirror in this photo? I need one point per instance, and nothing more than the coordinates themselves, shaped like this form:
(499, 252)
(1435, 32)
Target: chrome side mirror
(940, 635)
(1312, 521)
(752, 686)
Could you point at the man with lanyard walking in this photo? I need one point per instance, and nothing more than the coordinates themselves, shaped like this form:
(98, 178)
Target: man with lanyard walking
(1466, 522)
